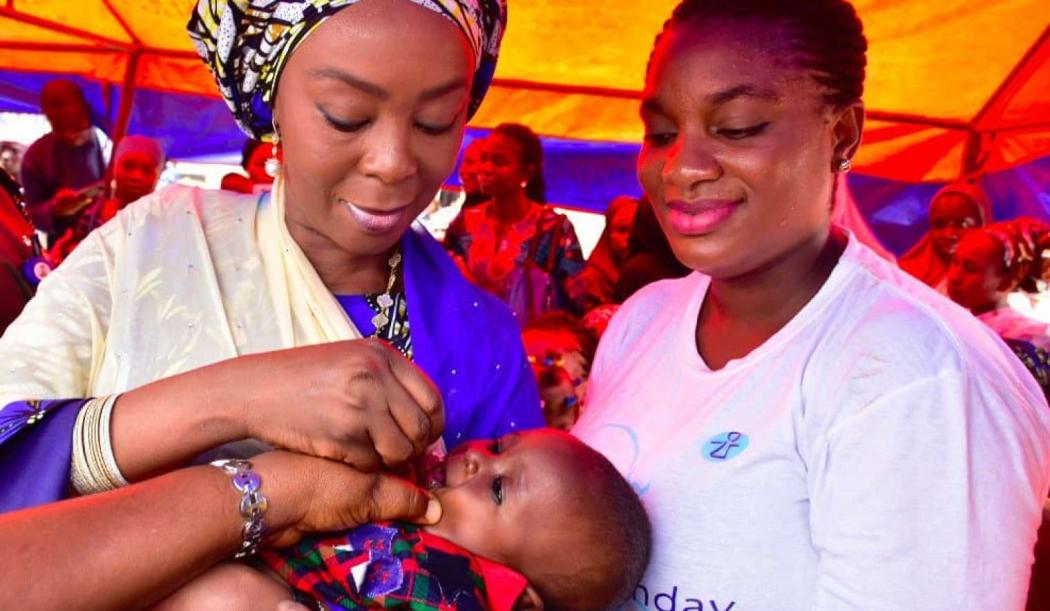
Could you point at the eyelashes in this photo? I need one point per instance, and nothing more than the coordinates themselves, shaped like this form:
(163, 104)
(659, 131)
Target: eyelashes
(435, 130)
(345, 127)
(497, 489)
(744, 132)
(497, 482)
(658, 139)
(350, 127)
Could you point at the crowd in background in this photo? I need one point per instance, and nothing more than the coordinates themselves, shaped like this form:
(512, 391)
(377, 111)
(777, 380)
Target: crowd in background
(507, 238)
(896, 447)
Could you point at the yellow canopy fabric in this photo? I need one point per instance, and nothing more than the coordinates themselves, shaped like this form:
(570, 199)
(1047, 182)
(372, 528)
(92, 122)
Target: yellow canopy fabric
(954, 87)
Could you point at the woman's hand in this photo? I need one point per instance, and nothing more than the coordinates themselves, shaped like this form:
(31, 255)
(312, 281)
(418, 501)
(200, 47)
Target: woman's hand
(158, 534)
(359, 402)
(307, 495)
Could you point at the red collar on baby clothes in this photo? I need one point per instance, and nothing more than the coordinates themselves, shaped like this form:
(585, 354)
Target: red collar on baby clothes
(503, 585)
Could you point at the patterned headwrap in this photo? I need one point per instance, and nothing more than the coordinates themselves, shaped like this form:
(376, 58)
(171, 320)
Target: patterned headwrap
(247, 42)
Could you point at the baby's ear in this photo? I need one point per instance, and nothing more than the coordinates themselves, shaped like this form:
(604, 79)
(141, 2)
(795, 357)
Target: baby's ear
(530, 600)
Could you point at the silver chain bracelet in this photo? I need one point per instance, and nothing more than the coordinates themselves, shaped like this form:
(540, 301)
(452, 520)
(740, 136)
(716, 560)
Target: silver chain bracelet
(252, 505)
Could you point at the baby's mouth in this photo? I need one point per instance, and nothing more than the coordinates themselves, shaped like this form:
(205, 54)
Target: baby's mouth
(433, 468)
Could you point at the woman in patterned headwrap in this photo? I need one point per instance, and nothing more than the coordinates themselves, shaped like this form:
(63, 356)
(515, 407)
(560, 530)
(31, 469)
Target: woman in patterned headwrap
(213, 323)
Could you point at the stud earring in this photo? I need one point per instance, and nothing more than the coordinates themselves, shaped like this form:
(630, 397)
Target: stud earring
(845, 165)
(273, 164)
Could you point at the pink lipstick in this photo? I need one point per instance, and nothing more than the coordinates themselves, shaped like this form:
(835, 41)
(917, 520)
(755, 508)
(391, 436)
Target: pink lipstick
(700, 217)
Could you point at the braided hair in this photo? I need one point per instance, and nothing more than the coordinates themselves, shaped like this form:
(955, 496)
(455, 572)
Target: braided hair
(826, 36)
(531, 154)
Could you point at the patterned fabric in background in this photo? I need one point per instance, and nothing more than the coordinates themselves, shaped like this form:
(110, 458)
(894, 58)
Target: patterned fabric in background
(245, 43)
(1036, 360)
(497, 262)
(387, 565)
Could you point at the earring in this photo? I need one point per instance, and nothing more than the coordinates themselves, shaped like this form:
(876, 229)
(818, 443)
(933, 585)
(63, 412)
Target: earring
(273, 164)
(845, 165)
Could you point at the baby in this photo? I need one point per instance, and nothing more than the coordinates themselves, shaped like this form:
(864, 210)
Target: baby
(533, 520)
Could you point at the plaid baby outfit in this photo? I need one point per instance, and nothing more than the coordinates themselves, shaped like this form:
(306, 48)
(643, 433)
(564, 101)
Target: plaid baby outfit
(393, 566)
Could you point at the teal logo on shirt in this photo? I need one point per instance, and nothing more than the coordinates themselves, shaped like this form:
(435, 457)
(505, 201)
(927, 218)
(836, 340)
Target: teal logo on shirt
(725, 446)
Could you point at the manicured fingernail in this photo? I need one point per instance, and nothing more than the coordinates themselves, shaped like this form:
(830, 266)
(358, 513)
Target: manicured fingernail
(433, 511)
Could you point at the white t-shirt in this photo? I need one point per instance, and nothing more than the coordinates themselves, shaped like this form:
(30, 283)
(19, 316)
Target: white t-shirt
(884, 450)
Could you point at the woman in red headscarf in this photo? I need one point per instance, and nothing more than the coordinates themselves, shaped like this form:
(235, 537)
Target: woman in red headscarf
(954, 211)
(597, 282)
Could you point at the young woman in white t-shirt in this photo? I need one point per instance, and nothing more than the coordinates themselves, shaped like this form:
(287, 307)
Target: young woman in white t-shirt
(809, 427)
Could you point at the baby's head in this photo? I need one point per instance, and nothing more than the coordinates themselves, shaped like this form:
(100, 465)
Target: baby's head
(545, 504)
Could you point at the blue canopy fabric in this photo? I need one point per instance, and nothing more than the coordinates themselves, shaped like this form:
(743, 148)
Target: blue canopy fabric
(580, 174)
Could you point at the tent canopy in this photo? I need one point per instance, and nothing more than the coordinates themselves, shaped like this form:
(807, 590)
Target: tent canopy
(954, 87)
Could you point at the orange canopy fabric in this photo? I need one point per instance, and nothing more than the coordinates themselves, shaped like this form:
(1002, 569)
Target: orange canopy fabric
(955, 87)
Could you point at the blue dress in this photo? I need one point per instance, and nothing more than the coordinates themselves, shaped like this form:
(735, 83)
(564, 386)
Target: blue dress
(464, 339)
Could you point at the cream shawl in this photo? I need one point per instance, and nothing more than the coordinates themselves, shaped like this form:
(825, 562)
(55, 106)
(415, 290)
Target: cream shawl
(180, 279)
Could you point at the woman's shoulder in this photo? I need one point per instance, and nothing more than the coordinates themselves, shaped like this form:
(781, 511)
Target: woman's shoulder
(176, 205)
(656, 305)
(892, 326)
(661, 293)
(176, 199)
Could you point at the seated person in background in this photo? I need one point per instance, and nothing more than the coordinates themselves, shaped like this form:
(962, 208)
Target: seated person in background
(955, 210)
(561, 404)
(450, 202)
(254, 156)
(649, 256)
(558, 339)
(62, 172)
(530, 521)
(594, 286)
(597, 319)
(139, 161)
(469, 169)
(994, 262)
(11, 157)
(21, 263)
(253, 160)
(239, 183)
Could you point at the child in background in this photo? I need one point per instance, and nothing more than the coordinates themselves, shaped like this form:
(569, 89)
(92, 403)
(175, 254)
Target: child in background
(533, 520)
(993, 263)
(597, 320)
(561, 405)
(558, 339)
